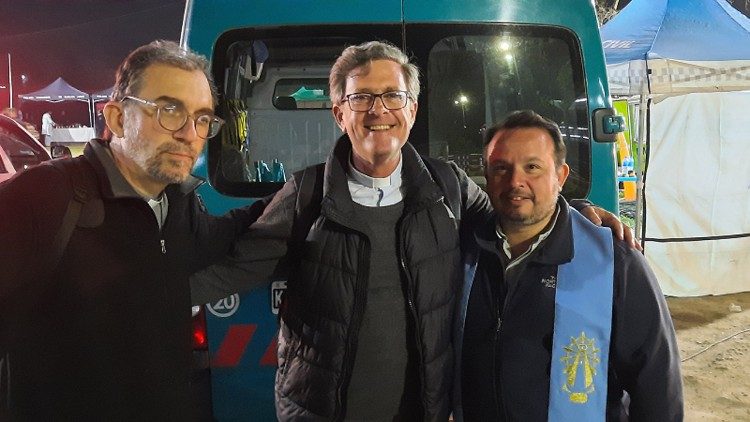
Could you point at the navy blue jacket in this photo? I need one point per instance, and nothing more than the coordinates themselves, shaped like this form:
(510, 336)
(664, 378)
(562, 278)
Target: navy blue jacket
(503, 369)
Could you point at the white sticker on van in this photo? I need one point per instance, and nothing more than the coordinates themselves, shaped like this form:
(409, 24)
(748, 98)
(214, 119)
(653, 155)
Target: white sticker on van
(225, 307)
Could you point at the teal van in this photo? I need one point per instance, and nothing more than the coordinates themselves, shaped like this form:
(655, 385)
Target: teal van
(479, 60)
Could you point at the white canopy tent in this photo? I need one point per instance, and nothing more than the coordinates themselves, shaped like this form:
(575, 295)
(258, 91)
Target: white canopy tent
(683, 61)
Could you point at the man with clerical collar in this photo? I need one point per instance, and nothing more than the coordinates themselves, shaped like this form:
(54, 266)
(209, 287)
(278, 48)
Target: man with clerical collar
(94, 299)
(557, 321)
(374, 276)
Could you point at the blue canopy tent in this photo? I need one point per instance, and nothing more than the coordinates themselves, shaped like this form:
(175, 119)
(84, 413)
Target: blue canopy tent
(682, 46)
(59, 91)
(685, 65)
(97, 97)
(103, 95)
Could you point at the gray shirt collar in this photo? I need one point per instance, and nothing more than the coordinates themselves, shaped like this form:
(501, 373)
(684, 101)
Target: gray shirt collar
(504, 246)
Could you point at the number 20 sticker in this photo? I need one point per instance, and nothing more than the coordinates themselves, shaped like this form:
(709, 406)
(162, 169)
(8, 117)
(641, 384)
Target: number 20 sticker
(225, 307)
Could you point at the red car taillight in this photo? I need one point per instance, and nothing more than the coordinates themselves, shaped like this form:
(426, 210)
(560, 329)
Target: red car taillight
(200, 340)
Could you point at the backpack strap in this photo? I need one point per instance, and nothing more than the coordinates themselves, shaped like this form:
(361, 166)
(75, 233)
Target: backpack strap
(447, 179)
(309, 196)
(85, 209)
(84, 189)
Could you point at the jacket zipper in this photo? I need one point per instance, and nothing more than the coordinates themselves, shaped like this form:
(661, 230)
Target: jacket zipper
(412, 307)
(161, 228)
(415, 316)
(360, 296)
(495, 374)
(500, 311)
(417, 332)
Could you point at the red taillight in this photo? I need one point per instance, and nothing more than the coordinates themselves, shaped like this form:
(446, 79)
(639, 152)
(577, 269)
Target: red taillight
(200, 340)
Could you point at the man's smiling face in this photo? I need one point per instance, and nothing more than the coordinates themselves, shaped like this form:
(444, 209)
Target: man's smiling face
(377, 135)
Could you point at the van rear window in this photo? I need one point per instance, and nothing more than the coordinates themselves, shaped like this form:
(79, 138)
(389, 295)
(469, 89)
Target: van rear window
(277, 106)
(477, 80)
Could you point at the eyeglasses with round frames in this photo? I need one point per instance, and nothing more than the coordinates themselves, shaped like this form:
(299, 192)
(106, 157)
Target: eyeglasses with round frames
(364, 101)
(173, 117)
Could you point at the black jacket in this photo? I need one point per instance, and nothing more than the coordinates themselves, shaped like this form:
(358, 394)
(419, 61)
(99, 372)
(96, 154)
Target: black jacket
(104, 335)
(505, 371)
(326, 292)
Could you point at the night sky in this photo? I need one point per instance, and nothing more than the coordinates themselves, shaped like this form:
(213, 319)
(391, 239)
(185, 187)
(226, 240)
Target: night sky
(81, 40)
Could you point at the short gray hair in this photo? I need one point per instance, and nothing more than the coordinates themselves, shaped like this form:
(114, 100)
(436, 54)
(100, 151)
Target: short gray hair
(361, 55)
(129, 76)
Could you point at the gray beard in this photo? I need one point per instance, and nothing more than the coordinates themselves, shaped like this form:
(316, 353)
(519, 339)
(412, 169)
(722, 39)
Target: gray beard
(154, 168)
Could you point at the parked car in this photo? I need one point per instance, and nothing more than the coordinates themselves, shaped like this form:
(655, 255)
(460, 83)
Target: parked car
(6, 167)
(19, 150)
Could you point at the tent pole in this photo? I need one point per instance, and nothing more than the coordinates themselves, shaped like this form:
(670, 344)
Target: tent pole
(639, 192)
(10, 83)
(91, 114)
(640, 173)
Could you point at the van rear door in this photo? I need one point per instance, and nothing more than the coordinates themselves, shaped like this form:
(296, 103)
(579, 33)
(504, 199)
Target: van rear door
(479, 60)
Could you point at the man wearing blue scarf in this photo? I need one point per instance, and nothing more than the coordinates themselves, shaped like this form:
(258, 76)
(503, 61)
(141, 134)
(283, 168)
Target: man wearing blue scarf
(557, 322)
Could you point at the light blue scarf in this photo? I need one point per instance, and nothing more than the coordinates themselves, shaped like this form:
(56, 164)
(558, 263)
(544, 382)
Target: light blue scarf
(583, 322)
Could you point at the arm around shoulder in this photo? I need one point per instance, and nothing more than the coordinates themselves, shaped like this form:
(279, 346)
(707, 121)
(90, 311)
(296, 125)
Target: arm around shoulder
(474, 200)
(215, 235)
(257, 257)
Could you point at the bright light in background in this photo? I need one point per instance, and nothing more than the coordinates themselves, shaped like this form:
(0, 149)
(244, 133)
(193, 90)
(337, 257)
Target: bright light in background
(462, 101)
(503, 45)
(24, 78)
(509, 57)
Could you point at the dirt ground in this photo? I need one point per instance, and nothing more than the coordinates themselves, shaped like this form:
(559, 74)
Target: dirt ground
(717, 380)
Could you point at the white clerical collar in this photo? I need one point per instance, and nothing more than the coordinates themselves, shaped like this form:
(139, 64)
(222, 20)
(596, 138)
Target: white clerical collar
(375, 191)
(375, 182)
(160, 206)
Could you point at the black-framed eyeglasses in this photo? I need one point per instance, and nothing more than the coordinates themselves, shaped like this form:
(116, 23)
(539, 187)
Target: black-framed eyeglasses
(364, 101)
(173, 117)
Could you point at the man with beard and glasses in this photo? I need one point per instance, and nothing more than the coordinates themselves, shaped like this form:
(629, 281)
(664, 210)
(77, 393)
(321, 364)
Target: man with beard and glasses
(95, 314)
(559, 321)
